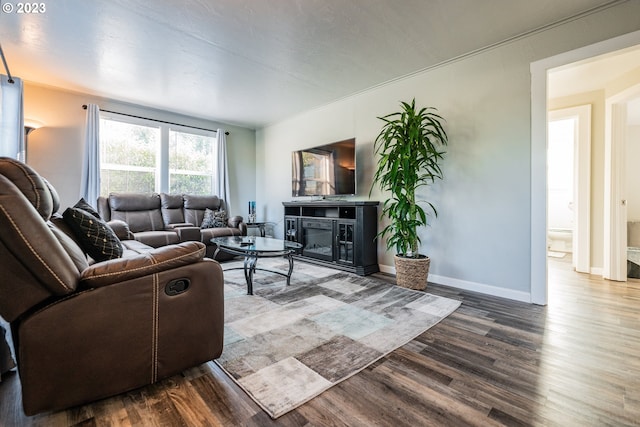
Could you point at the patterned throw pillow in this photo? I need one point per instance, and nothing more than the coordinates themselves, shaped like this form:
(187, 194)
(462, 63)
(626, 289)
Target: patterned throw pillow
(96, 238)
(214, 219)
(82, 204)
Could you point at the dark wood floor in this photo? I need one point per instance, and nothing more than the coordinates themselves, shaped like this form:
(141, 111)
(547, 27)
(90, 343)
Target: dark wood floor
(575, 362)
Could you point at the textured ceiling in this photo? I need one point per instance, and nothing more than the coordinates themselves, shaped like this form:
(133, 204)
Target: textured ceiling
(254, 62)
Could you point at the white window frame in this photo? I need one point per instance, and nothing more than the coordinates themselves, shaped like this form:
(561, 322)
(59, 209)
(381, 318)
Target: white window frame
(162, 165)
(165, 144)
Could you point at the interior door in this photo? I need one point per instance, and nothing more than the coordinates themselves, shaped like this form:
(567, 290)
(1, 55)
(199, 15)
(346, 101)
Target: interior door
(615, 214)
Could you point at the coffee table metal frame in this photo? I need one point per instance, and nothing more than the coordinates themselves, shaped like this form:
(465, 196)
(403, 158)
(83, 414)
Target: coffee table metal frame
(251, 249)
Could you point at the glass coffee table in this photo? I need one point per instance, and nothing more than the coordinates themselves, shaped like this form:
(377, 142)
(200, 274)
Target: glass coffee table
(252, 248)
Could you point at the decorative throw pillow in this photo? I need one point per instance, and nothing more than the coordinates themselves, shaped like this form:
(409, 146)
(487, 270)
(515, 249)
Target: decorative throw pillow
(82, 204)
(214, 219)
(96, 238)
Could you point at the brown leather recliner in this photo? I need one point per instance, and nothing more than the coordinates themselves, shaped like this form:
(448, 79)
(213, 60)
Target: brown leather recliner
(84, 332)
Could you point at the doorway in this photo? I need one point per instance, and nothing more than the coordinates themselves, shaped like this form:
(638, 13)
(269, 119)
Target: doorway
(569, 185)
(539, 106)
(621, 178)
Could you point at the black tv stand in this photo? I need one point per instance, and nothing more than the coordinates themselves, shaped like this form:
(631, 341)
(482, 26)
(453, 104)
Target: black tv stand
(339, 234)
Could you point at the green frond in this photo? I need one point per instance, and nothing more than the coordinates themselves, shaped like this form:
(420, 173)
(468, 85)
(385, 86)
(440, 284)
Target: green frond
(409, 148)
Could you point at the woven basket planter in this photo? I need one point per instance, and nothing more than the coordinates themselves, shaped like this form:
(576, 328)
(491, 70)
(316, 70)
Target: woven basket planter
(412, 273)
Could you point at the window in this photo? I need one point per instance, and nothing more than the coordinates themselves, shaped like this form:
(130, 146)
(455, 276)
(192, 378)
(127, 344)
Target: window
(190, 163)
(143, 156)
(128, 157)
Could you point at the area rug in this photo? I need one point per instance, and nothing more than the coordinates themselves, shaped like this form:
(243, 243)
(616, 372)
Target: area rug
(285, 345)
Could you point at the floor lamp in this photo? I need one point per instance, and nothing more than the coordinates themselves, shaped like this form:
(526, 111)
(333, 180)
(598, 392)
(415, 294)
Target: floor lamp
(29, 126)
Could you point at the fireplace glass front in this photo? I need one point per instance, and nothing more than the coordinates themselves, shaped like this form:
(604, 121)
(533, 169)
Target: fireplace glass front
(318, 239)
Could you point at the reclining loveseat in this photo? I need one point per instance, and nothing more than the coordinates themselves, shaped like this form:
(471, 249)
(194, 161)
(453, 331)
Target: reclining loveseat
(159, 219)
(85, 329)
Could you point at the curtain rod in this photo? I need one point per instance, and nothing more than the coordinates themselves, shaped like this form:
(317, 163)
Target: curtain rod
(6, 67)
(84, 107)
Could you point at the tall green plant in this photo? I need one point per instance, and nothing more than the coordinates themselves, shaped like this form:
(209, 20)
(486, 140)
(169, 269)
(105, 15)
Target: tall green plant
(409, 150)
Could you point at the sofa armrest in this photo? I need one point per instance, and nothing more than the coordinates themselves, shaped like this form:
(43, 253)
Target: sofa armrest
(234, 221)
(238, 222)
(189, 234)
(179, 225)
(121, 229)
(161, 259)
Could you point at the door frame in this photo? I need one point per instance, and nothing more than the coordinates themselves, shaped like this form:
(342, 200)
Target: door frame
(615, 188)
(581, 183)
(539, 71)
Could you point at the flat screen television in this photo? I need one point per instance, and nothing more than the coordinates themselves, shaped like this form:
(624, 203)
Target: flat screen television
(325, 170)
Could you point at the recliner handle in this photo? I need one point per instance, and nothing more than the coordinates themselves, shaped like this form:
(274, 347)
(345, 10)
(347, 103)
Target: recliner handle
(177, 286)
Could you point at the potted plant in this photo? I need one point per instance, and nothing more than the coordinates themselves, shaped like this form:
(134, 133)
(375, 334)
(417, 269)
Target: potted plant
(409, 147)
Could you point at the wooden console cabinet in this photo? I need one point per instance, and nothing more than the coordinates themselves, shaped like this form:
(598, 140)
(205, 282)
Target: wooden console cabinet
(338, 234)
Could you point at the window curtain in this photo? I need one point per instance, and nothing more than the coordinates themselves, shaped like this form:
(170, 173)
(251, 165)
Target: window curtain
(221, 186)
(11, 118)
(90, 188)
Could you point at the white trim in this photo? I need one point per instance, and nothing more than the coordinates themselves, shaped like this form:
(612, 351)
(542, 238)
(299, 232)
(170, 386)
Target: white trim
(482, 288)
(465, 285)
(538, 279)
(615, 210)
(387, 269)
(539, 70)
(615, 218)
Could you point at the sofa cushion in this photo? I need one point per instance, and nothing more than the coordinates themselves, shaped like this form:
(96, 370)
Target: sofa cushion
(31, 185)
(134, 201)
(140, 220)
(157, 238)
(95, 236)
(195, 206)
(210, 233)
(202, 202)
(214, 219)
(69, 241)
(55, 198)
(140, 210)
(121, 229)
(134, 247)
(171, 205)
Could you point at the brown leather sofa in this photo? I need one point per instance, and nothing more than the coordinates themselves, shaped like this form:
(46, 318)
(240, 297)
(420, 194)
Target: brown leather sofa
(163, 219)
(82, 331)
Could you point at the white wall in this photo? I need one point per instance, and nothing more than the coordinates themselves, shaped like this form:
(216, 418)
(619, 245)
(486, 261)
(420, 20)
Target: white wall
(56, 149)
(481, 240)
(633, 173)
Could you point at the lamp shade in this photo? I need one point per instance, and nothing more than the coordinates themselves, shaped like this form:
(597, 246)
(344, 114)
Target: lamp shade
(32, 123)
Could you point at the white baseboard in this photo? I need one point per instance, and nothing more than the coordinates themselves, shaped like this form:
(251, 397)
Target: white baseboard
(387, 269)
(470, 286)
(597, 271)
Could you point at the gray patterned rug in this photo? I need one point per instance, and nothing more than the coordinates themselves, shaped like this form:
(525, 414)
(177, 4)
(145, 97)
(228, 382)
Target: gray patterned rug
(286, 345)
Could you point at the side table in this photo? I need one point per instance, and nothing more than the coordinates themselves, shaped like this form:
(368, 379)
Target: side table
(259, 225)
